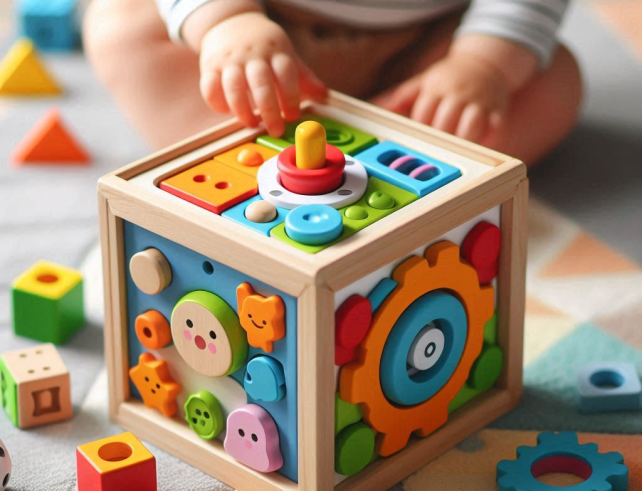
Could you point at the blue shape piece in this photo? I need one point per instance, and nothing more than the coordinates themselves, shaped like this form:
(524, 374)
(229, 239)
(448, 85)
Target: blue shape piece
(237, 214)
(561, 452)
(408, 388)
(264, 379)
(189, 274)
(380, 292)
(609, 386)
(51, 24)
(378, 158)
(314, 224)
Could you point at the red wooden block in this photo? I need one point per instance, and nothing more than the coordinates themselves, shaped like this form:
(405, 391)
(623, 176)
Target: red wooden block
(481, 249)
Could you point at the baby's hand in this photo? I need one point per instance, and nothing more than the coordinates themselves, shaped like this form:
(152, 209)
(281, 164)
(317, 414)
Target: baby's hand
(460, 94)
(249, 60)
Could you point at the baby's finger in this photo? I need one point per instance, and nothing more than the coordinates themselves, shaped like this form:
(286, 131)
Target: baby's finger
(212, 91)
(447, 115)
(236, 95)
(311, 86)
(287, 83)
(261, 81)
(472, 123)
(399, 99)
(425, 107)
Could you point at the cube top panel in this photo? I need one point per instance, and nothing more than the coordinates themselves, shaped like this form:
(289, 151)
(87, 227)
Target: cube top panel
(114, 453)
(31, 364)
(48, 280)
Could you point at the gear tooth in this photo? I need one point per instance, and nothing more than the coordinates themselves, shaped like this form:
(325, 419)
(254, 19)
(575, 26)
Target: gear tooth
(504, 467)
(545, 437)
(506, 484)
(613, 457)
(523, 450)
(619, 478)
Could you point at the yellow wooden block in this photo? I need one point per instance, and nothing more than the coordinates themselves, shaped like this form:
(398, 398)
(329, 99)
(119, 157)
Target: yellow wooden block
(310, 141)
(247, 158)
(48, 280)
(106, 454)
(23, 73)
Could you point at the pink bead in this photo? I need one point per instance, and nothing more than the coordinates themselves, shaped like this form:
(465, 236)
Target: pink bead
(420, 170)
(401, 161)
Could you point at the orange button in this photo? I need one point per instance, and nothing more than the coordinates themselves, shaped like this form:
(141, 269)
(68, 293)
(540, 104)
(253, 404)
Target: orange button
(212, 185)
(152, 330)
(247, 158)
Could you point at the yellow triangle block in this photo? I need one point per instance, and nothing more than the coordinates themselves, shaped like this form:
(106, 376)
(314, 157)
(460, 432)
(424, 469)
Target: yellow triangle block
(22, 72)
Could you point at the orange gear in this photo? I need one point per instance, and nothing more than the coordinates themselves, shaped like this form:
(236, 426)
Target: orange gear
(441, 269)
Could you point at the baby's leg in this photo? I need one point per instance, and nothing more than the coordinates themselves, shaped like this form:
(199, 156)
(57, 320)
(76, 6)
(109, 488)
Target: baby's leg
(539, 116)
(155, 82)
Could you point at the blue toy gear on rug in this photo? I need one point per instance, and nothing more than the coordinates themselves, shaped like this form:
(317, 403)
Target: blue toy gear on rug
(561, 452)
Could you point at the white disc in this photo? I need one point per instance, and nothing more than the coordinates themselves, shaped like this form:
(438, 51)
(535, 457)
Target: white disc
(427, 347)
(354, 186)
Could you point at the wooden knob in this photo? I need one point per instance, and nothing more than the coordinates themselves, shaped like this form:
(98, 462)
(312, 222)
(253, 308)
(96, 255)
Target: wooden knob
(150, 271)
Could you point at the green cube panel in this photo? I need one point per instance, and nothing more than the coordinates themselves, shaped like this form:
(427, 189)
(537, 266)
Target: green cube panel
(346, 138)
(8, 393)
(380, 200)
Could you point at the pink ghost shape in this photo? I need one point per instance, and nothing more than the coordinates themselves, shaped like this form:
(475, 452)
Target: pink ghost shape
(253, 439)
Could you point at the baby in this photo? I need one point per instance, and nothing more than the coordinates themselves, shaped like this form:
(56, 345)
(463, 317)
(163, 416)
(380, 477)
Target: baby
(490, 71)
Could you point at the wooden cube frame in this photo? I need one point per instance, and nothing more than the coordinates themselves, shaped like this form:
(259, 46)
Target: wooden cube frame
(314, 279)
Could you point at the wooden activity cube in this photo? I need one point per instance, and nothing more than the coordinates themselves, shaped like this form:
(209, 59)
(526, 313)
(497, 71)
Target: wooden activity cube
(279, 340)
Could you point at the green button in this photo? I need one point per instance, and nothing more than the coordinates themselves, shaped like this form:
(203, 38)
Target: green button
(204, 415)
(381, 201)
(356, 213)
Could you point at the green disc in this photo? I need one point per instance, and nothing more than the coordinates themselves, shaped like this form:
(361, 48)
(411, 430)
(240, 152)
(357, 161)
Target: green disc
(345, 413)
(356, 213)
(204, 415)
(487, 368)
(354, 447)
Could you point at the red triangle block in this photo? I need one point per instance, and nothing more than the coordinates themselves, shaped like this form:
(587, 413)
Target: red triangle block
(49, 142)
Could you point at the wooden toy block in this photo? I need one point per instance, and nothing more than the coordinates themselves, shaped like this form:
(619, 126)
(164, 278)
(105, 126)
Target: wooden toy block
(47, 302)
(49, 142)
(5, 467)
(342, 366)
(247, 158)
(35, 386)
(609, 387)
(212, 185)
(23, 73)
(51, 24)
(120, 462)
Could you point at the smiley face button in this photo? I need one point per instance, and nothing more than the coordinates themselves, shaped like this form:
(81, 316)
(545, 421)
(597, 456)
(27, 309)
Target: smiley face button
(207, 334)
(204, 415)
(263, 318)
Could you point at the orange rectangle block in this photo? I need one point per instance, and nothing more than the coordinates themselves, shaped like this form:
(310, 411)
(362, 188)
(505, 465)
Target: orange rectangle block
(212, 185)
(247, 157)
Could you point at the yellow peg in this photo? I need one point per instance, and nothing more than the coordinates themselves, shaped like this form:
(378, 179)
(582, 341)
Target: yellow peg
(310, 140)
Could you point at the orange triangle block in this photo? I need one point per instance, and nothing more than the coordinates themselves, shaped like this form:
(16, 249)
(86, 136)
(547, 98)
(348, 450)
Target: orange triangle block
(586, 255)
(49, 142)
(22, 72)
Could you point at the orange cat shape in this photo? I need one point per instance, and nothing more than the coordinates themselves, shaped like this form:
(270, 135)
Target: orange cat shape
(263, 318)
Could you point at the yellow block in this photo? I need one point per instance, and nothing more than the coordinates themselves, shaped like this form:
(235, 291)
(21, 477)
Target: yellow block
(310, 140)
(22, 72)
(48, 280)
(116, 452)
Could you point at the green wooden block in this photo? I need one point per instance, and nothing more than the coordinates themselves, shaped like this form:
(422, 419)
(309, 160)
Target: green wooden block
(8, 393)
(490, 330)
(345, 414)
(47, 303)
(380, 200)
(349, 140)
(354, 449)
(464, 396)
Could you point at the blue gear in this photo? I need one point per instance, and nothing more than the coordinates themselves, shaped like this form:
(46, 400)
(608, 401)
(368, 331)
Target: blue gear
(608, 472)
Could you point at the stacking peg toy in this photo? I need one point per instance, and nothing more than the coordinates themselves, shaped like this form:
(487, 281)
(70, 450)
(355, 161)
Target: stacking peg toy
(311, 166)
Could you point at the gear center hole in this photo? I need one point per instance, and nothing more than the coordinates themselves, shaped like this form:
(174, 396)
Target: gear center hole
(561, 471)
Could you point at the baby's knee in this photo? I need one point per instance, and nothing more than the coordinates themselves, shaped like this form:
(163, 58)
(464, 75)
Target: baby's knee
(567, 83)
(114, 30)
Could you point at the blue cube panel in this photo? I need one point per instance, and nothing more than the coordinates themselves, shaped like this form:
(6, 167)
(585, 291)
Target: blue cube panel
(410, 170)
(237, 214)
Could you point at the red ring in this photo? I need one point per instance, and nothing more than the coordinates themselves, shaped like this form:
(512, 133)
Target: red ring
(311, 181)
